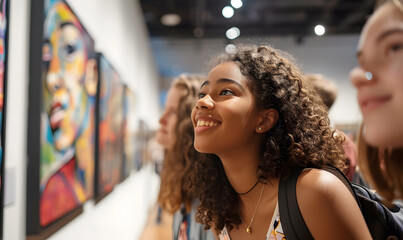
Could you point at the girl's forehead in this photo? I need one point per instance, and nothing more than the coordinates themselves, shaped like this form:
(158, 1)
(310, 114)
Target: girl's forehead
(386, 17)
(228, 70)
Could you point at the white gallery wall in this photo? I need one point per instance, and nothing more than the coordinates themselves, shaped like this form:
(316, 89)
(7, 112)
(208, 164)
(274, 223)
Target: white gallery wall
(332, 56)
(119, 32)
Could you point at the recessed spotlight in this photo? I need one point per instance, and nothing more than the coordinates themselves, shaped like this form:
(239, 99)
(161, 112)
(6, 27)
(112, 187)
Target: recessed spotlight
(170, 19)
(233, 33)
(230, 48)
(320, 30)
(236, 3)
(228, 12)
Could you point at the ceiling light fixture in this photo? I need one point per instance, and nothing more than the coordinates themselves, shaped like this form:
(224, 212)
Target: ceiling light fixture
(233, 33)
(236, 3)
(230, 48)
(170, 19)
(319, 30)
(228, 12)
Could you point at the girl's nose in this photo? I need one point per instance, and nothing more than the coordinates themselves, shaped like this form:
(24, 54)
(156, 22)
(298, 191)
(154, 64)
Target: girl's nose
(359, 77)
(205, 103)
(162, 120)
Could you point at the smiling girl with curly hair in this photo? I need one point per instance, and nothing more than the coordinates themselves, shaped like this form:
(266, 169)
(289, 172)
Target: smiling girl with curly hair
(257, 121)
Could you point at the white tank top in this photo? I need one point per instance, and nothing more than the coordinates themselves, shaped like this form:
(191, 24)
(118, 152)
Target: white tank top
(275, 231)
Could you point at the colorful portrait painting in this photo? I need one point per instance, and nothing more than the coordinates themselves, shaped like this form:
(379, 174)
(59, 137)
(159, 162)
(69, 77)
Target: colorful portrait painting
(3, 63)
(111, 121)
(3, 53)
(69, 85)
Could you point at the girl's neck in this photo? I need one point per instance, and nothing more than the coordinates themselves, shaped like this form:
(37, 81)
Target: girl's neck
(241, 170)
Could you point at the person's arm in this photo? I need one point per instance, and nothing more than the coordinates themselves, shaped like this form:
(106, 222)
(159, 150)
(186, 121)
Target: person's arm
(328, 208)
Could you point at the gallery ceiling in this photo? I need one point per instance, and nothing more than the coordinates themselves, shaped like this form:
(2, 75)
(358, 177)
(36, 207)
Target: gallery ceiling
(204, 18)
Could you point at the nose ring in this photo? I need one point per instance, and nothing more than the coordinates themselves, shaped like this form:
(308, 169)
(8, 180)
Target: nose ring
(368, 75)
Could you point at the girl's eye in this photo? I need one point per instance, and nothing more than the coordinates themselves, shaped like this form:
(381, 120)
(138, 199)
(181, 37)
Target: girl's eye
(227, 92)
(201, 95)
(395, 48)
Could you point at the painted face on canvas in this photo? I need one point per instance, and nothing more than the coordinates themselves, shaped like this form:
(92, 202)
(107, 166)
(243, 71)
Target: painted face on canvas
(379, 78)
(65, 56)
(166, 135)
(225, 116)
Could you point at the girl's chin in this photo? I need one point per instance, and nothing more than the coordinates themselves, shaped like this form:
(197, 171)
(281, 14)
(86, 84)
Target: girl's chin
(378, 139)
(202, 149)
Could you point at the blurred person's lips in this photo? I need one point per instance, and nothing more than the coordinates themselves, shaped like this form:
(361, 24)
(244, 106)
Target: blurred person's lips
(370, 103)
(162, 130)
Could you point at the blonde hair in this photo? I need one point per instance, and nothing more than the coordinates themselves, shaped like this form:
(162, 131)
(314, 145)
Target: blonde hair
(397, 3)
(382, 168)
(179, 160)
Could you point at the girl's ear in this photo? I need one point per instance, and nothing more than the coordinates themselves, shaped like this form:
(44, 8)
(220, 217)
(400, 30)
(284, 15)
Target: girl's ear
(268, 118)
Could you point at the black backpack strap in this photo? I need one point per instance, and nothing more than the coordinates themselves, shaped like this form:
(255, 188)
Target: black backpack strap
(291, 218)
(293, 223)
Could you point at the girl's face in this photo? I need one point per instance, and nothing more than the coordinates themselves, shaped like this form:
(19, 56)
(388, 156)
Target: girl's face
(225, 116)
(380, 55)
(166, 135)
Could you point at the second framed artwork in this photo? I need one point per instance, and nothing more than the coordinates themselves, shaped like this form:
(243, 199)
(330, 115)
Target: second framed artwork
(110, 122)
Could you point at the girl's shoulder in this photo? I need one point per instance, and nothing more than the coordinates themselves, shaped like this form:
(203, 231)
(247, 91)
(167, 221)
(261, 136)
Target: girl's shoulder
(318, 182)
(328, 206)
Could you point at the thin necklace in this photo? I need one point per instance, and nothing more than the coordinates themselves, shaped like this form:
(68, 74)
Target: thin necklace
(249, 189)
(248, 228)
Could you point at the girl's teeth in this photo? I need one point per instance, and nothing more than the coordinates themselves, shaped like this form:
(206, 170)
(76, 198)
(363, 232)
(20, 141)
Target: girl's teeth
(206, 123)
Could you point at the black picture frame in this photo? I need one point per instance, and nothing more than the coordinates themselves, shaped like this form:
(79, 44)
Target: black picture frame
(4, 36)
(42, 123)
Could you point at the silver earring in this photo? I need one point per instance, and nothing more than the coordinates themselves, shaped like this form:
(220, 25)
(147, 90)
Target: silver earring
(260, 129)
(368, 75)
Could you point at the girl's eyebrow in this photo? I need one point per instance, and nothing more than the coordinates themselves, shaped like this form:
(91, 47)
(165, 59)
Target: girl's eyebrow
(224, 80)
(381, 37)
(388, 32)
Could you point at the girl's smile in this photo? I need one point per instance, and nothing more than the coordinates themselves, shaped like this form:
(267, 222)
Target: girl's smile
(225, 104)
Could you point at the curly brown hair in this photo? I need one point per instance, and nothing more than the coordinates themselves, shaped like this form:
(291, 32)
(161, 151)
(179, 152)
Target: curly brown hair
(301, 137)
(179, 159)
(325, 87)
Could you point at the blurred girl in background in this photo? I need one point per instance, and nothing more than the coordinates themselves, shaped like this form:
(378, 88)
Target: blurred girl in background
(379, 84)
(176, 136)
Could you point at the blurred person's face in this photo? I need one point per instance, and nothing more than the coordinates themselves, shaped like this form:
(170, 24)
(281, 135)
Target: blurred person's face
(166, 135)
(380, 54)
